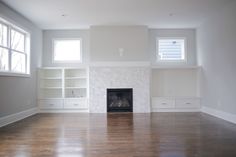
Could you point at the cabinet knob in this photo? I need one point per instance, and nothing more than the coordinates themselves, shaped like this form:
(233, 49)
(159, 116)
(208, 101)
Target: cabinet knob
(188, 103)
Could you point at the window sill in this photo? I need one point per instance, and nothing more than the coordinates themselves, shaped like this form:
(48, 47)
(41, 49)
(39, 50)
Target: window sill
(8, 74)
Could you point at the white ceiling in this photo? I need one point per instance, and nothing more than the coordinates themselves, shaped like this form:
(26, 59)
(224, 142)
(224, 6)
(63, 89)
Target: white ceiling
(47, 14)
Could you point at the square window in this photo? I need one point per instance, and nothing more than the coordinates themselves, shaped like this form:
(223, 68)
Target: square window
(171, 49)
(67, 50)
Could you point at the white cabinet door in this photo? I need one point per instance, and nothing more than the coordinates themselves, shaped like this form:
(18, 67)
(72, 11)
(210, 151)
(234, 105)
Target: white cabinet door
(163, 103)
(51, 104)
(76, 103)
(187, 103)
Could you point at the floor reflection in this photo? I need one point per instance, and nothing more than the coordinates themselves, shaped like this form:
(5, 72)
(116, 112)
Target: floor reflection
(119, 135)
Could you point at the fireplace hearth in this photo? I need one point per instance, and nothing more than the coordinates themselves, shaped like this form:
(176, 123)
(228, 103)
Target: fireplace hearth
(120, 100)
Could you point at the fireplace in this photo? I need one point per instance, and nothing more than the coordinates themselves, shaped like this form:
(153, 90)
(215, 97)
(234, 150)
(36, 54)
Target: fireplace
(120, 100)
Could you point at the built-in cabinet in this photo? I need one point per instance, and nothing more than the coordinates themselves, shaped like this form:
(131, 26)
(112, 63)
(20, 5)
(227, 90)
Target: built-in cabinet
(175, 89)
(178, 104)
(63, 89)
(66, 89)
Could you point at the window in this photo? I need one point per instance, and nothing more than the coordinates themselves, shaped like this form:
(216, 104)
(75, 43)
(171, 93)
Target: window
(14, 49)
(67, 50)
(172, 49)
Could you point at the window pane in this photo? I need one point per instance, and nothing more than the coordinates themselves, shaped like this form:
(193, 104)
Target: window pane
(3, 59)
(67, 50)
(3, 35)
(18, 61)
(169, 49)
(17, 41)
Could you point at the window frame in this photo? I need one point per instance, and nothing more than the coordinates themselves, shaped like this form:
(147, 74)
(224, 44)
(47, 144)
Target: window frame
(171, 61)
(26, 52)
(71, 61)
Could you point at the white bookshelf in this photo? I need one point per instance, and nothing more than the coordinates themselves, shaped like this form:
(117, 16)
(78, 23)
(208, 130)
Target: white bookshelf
(63, 89)
(50, 83)
(76, 83)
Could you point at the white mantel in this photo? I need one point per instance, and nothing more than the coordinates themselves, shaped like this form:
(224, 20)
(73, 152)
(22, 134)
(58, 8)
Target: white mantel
(102, 78)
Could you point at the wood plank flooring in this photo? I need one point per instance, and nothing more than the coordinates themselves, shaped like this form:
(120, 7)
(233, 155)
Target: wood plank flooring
(119, 135)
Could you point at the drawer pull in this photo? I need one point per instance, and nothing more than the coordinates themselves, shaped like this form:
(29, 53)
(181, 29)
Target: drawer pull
(51, 104)
(76, 104)
(163, 103)
(188, 103)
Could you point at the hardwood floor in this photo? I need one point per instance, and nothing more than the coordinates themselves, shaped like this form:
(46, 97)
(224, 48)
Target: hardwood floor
(119, 135)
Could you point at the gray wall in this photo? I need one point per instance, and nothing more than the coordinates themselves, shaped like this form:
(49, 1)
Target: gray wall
(102, 43)
(107, 40)
(19, 93)
(217, 56)
(49, 35)
(188, 34)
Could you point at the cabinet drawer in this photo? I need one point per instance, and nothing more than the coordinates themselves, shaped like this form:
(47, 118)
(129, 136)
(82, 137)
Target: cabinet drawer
(76, 104)
(187, 103)
(163, 103)
(51, 104)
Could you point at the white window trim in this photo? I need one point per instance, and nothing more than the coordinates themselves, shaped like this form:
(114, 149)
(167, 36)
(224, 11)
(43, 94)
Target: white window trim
(171, 61)
(71, 61)
(12, 25)
(8, 74)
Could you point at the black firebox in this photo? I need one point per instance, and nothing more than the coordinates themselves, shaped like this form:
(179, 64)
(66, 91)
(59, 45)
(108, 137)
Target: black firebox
(120, 100)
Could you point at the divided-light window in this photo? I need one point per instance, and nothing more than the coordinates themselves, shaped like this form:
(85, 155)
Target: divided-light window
(171, 49)
(67, 50)
(14, 49)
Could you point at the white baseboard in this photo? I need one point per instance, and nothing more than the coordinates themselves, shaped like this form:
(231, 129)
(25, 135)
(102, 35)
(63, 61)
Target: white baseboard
(24, 114)
(219, 114)
(17, 116)
(174, 110)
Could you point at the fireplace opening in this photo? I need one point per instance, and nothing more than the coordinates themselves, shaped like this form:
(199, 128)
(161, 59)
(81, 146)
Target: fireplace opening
(120, 100)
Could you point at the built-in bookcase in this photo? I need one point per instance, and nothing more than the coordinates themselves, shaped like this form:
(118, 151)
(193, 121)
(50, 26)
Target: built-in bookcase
(75, 83)
(65, 86)
(50, 84)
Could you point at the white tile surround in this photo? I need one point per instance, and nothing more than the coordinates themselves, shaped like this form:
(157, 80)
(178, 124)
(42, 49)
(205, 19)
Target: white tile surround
(102, 78)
